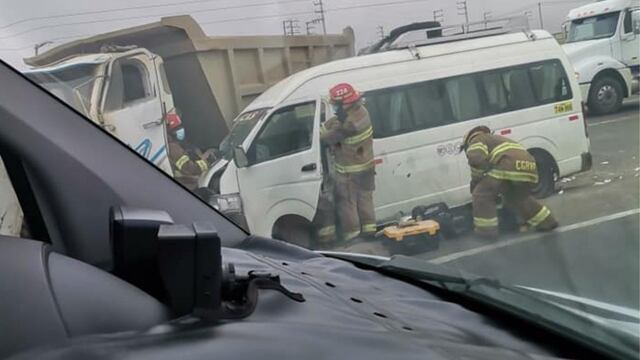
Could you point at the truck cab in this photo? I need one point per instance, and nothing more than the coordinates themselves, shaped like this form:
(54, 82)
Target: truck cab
(125, 91)
(603, 46)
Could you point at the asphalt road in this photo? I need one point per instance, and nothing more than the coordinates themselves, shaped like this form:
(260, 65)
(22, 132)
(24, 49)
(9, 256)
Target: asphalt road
(595, 252)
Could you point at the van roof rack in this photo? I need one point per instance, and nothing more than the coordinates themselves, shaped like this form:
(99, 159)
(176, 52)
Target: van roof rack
(413, 35)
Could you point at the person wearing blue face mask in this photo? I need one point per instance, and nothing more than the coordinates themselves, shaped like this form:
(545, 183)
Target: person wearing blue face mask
(187, 165)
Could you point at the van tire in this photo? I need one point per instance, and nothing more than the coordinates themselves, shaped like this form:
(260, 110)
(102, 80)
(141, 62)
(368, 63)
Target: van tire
(605, 95)
(546, 175)
(293, 230)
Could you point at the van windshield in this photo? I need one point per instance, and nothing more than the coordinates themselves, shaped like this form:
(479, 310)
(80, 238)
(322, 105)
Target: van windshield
(73, 85)
(594, 27)
(242, 126)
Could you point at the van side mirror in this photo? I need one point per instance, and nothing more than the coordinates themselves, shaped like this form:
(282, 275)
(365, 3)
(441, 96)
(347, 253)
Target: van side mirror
(240, 157)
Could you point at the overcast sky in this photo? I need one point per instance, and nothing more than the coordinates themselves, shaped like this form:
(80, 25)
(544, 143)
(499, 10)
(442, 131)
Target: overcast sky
(25, 23)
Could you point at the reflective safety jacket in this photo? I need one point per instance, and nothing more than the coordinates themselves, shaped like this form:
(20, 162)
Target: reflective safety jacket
(351, 141)
(500, 158)
(182, 163)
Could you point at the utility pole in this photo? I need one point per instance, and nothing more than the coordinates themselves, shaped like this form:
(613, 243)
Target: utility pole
(37, 46)
(438, 15)
(540, 14)
(463, 10)
(380, 31)
(309, 25)
(290, 27)
(320, 11)
(486, 16)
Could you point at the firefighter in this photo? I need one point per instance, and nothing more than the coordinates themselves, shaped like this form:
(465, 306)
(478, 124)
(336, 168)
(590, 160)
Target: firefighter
(503, 168)
(349, 135)
(186, 164)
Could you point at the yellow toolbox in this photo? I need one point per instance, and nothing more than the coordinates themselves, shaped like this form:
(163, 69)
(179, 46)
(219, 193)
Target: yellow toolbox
(412, 236)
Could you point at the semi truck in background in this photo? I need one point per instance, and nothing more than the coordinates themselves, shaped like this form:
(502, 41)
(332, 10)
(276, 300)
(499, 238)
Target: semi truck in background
(603, 44)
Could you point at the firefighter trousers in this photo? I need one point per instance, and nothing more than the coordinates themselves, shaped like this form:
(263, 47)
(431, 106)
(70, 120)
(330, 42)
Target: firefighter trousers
(354, 204)
(516, 196)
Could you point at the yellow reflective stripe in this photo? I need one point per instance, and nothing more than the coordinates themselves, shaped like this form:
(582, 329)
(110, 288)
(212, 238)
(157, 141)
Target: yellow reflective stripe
(541, 216)
(203, 165)
(369, 228)
(327, 231)
(513, 176)
(351, 235)
(360, 137)
(346, 169)
(181, 161)
(481, 222)
(498, 150)
(478, 146)
(476, 171)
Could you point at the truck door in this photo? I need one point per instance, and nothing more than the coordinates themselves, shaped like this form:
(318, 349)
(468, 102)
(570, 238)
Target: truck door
(132, 108)
(283, 173)
(629, 39)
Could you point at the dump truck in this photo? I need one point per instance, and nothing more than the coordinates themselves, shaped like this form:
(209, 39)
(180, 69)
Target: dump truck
(209, 79)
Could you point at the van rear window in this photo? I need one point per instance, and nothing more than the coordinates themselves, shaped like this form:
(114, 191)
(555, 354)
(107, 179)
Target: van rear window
(450, 100)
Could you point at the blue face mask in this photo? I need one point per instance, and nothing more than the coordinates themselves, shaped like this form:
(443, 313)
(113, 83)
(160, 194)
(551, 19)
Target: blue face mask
(180, 134)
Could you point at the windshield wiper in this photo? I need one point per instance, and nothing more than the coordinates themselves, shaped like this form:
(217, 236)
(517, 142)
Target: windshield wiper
(518, 302)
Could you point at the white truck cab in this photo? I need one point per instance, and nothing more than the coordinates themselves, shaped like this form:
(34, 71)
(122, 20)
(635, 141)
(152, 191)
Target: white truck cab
(125, 92)
(603, 45)
(422, 98)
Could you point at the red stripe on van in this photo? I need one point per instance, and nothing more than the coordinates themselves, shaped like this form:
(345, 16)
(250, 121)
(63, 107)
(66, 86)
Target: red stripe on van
(505, 132)
(377, 161)
(574, 117)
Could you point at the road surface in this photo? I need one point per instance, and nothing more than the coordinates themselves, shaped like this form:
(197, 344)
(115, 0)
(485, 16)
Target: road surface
(595, 252)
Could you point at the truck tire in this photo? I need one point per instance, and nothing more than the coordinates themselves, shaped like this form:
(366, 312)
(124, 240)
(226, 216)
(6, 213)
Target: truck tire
(605, 95)
(546, 176)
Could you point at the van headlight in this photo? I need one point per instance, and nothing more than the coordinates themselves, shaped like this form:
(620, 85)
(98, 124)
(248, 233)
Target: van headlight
(228, 203)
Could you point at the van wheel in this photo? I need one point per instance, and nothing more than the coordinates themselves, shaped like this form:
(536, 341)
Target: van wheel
(293, 230)
(605, 95)
(546, 176)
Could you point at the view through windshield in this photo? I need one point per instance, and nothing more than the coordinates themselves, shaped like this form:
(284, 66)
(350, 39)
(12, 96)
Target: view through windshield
(462, 133)
(595, 27)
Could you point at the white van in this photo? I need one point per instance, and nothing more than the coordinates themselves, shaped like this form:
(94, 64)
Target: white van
(422, 99)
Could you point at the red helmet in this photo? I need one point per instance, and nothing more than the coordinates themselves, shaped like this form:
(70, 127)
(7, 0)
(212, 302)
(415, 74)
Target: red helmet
(344, 93)
(173, 121)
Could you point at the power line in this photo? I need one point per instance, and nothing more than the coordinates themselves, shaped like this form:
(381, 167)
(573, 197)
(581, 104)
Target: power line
(308, 12)
(235, 7)
(438, 15)
(320, 11)
(463, 10)
(105, 11)
(291, 27)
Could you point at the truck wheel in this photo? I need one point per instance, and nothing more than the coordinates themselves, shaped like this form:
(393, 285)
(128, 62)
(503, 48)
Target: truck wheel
(294, 232)
(605, 95)
(546, 176)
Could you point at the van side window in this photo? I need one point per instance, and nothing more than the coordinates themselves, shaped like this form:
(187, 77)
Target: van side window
(389, 112)
(628, 22)
(464, 98)
(495, 91)
(549, 82)
(520, 92)
(286, 132)
(429, 104)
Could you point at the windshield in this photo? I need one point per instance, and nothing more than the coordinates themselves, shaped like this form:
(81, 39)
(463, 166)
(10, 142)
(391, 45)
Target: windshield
(432, 129)
(594, 27)
(241, 128)
(73, 85)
